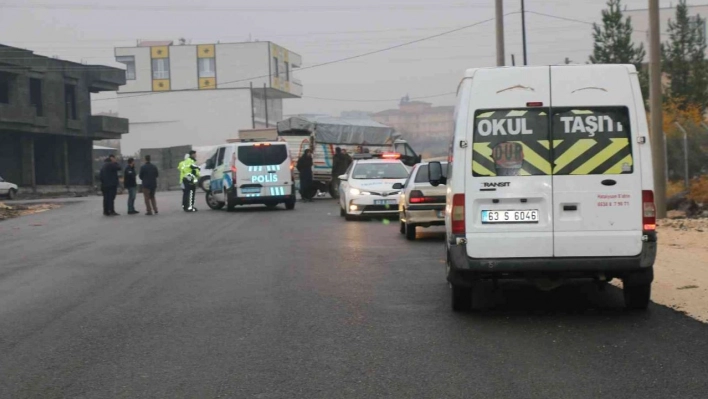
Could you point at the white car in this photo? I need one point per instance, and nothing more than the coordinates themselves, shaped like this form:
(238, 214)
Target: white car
(420, 204)
(552, 179)
(366, 189)
(7, 189)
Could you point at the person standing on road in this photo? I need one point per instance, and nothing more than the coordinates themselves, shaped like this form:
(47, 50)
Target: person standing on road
(348, 159)
(339, 167)
(304, 167)
(148, 175)
(188, 176)
(109, 185)
(130, 183)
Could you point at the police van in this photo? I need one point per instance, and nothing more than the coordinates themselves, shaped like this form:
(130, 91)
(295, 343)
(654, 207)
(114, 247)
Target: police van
(550, 177)
(251, 172)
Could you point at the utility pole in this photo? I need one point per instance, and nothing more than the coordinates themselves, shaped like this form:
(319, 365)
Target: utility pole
(523, 29)
(265, 100)
(253, 110)
(658, 143)
(500, 32)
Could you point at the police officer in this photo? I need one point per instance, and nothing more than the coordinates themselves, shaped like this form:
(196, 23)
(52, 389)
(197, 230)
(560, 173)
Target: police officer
(188, 176)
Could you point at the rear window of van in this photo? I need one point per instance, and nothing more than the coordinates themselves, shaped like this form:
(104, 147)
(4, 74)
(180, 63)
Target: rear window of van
(592, 141)
(262, 155)
(574, 141)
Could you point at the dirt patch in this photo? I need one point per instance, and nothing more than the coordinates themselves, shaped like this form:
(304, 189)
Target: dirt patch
(13, 211)
(681, 268)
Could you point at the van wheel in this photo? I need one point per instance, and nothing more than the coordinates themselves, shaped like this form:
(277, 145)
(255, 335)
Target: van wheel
(461, 298)
(204, 183)
(334, 190)
(212, 202)
(410, 232)
(403, 228)
(636, 297)
(290, 205)
(12, 194)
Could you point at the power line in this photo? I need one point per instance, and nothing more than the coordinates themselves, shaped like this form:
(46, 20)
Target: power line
(341, 59)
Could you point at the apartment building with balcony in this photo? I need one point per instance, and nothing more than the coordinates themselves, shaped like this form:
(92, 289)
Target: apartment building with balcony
(184, 94)
(46, 126)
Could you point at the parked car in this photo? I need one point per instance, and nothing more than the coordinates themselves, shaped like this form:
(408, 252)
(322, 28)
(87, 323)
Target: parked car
(7, 189)
(420, 204)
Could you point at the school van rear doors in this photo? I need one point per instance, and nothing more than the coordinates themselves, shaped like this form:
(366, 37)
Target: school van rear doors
(554, 167)
(597, 185)
(263, 170)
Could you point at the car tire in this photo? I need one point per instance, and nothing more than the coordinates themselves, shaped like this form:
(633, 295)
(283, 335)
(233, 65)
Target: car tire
(230, 205)
(290, 205)
(349, 218)
(204, 183)
(403, 228)
(637, 297)
(212, 203)
(12, 194)
(342, 212)
(410, 232)
(461, 298)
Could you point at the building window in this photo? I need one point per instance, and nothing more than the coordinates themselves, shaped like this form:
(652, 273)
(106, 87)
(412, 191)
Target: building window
(35, 86)
(129, 62)
(6, 80)
(276, 68)
(70, 101)
(287, 71)
(207, 67)
(160, 68)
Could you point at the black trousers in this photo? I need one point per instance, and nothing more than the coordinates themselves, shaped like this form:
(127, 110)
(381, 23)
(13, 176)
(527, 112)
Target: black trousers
(109, 197)
(188, 193)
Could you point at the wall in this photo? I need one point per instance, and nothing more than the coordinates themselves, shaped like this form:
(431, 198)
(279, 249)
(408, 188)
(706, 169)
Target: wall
(183, 67)
(238, 61)
(204, 117)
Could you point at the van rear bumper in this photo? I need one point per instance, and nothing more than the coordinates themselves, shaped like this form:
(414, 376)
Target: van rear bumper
(463, 270)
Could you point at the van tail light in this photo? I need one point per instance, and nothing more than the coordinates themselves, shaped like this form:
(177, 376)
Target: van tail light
(233, 175)
(648, 211)
(458, 214)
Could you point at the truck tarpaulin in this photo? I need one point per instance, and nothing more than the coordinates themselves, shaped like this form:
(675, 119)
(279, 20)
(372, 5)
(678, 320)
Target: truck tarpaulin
(331, 130)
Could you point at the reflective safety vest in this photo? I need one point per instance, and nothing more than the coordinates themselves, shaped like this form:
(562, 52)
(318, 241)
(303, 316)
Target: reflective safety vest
(188, 167)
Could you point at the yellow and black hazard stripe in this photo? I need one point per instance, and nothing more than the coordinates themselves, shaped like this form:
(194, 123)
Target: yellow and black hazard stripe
(595, 156)
(536, 156)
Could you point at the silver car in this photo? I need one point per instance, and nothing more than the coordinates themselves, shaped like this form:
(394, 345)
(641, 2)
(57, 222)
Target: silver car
(420, 204)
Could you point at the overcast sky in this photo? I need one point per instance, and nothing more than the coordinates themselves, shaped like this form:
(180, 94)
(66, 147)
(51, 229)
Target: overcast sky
(320, 31)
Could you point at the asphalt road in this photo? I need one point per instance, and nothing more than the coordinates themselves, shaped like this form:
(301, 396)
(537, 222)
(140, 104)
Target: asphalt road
(301, 304)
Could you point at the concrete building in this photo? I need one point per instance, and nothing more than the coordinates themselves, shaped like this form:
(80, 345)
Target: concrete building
(46, 127)
(201, 94)
(640, 22)
(418, 119)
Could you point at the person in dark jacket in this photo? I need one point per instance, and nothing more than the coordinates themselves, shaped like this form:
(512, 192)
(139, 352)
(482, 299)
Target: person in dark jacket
(109, 185)
(339, 167)
(149, 174)
(130, 183)
(304, 167)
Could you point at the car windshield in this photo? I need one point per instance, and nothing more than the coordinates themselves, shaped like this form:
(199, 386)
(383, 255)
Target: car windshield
(382, 170)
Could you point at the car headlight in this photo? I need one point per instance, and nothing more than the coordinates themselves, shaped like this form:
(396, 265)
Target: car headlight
(356, 191)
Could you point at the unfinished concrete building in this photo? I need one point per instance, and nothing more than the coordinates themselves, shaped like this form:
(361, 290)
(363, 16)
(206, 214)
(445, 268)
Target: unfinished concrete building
(46, 127)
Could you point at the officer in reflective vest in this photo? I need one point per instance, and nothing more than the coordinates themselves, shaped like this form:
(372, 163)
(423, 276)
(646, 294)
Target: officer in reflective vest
(188, 176)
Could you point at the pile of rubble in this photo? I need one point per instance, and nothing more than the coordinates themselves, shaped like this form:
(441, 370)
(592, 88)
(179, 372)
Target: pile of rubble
(677, 220)
(7, 211)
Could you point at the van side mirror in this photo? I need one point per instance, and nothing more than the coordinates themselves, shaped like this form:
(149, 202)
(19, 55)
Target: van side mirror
(397, 186)
(343, 177)
(435, 174)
